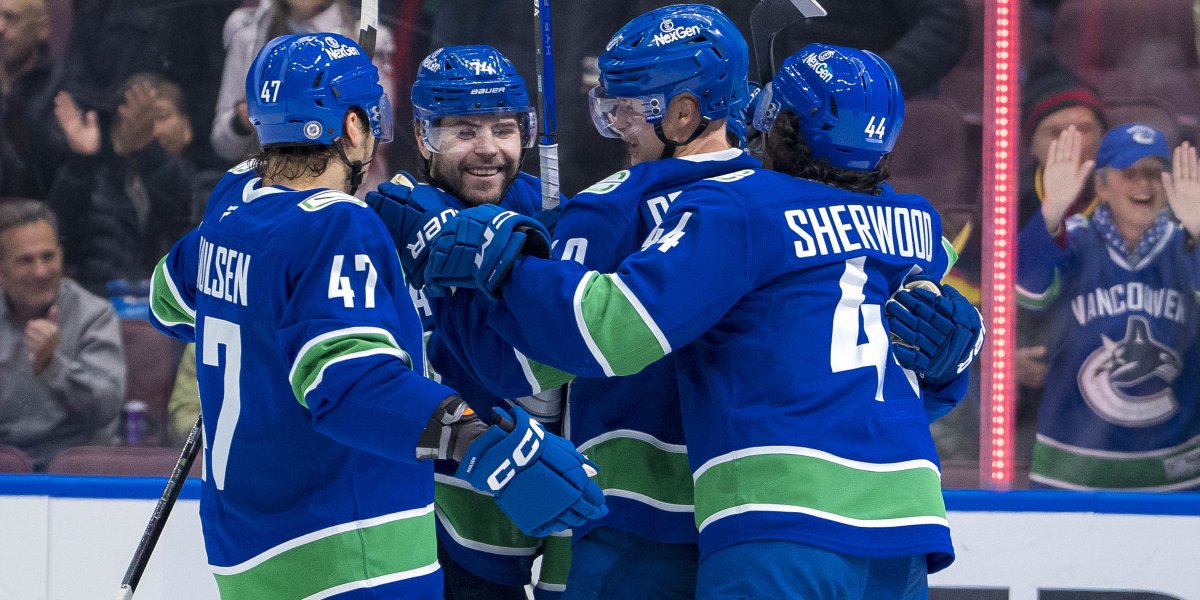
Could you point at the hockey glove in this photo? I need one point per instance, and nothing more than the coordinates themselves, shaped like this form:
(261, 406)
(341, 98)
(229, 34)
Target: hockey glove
(935, 335)
(414, 214)
(479, 246)
(539, 480)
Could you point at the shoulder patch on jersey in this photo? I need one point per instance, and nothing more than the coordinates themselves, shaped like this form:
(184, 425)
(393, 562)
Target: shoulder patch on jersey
(321, 200)
(244, 167)
(732, 177)
(608, 184)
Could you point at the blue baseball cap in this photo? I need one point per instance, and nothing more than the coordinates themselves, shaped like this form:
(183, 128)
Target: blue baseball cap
(1126, 144)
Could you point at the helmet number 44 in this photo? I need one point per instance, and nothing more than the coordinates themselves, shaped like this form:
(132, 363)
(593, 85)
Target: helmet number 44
(873, 130)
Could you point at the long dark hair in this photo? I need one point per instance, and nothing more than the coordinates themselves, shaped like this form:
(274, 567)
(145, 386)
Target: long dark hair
(788, 152)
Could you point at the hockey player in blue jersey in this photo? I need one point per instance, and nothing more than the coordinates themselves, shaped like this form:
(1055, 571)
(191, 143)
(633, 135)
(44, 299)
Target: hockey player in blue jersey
(1121, 404)
(807, 431)
(316, 425)
(670, 103)
(474, 122)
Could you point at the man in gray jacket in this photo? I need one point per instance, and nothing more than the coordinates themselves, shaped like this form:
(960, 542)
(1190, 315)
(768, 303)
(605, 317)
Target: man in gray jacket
(62, 372)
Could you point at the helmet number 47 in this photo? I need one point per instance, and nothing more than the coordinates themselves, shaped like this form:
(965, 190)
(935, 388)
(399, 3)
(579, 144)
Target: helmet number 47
(270, 90)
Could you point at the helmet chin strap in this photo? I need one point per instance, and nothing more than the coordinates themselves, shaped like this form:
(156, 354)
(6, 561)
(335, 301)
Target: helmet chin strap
(357, 167)
(669, 146)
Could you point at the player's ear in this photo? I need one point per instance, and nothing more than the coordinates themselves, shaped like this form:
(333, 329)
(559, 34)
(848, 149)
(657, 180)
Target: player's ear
(355, 128)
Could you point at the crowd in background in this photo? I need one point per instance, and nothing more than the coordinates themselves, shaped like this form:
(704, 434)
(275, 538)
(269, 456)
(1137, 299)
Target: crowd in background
(120, 115)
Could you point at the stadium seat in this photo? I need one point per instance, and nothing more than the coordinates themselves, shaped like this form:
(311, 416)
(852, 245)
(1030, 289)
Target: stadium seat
(1146, 47)
(1150, 111)
(151, 360)
(935, 155)
(118, 460)
(14, 460)
(964, 83)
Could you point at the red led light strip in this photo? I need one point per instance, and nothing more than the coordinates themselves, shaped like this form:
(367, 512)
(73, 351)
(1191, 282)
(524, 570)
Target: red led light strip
(1001, 56)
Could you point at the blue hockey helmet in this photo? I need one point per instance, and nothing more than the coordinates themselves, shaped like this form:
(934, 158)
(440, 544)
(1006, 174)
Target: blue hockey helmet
(469, 80)
(683, 48)
(300, 86)
(847, 101)
(744, 114)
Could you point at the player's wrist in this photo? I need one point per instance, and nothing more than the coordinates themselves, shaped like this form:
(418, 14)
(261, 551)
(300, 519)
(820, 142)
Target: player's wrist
(451, 429)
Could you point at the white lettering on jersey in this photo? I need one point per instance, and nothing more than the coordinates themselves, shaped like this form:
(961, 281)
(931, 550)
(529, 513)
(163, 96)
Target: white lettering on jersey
(223, 273)
(838, 228)
(1133, 296)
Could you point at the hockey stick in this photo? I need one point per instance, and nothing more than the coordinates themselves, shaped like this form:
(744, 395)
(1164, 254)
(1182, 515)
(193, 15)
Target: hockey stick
(547, 142)
(768, 19)
(368, 20)
(158, 519)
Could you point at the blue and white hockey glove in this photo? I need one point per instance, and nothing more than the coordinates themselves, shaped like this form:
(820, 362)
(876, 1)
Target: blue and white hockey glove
(414, 214)
(477, 249)
(539, 480)
(935, 335)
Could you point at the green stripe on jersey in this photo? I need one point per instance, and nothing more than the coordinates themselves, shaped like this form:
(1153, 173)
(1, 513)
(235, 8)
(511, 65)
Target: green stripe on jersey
(620, 333)
(541, 377)
(1028, 299)
(556, 561)
(336, 346)
(638, 469)
(168, 307)
(815, 483)
(1066, 466)
(401, 548)
(951, 256)
(476, 522)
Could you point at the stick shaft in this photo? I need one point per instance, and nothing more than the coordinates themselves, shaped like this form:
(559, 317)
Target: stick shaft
(547, 142)
(158, 519)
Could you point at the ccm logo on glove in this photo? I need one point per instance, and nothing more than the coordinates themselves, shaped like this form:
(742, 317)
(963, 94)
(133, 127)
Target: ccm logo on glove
(522, 454)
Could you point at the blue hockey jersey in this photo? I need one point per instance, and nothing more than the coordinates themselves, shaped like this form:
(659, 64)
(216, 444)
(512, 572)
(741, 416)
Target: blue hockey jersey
(769, 289)
(1120, 408)
(306, 340)
(630, 426)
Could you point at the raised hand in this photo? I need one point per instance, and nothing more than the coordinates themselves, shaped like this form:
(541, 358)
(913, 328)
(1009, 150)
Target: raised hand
(1063, 177)
(82, 129)
(1183, 188)
(134, 127)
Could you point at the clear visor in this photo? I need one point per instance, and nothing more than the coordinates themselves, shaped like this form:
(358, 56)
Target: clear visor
(382, 119)
(623, 117)
(767, 109)
(443, 135)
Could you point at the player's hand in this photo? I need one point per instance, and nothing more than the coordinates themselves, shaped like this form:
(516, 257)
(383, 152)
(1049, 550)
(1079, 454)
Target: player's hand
(936, 336)
(1183, 188)
(1064, 177)
(1029, 363)
(479, 247)
(539, 479)
(414, 215)
(82, 129)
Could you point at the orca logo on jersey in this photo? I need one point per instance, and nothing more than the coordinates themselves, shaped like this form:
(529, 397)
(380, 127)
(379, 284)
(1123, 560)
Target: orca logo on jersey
(521, 456)
(1128, 382)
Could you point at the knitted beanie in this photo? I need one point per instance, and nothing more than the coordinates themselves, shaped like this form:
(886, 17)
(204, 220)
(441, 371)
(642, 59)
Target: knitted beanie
(1051, 87)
